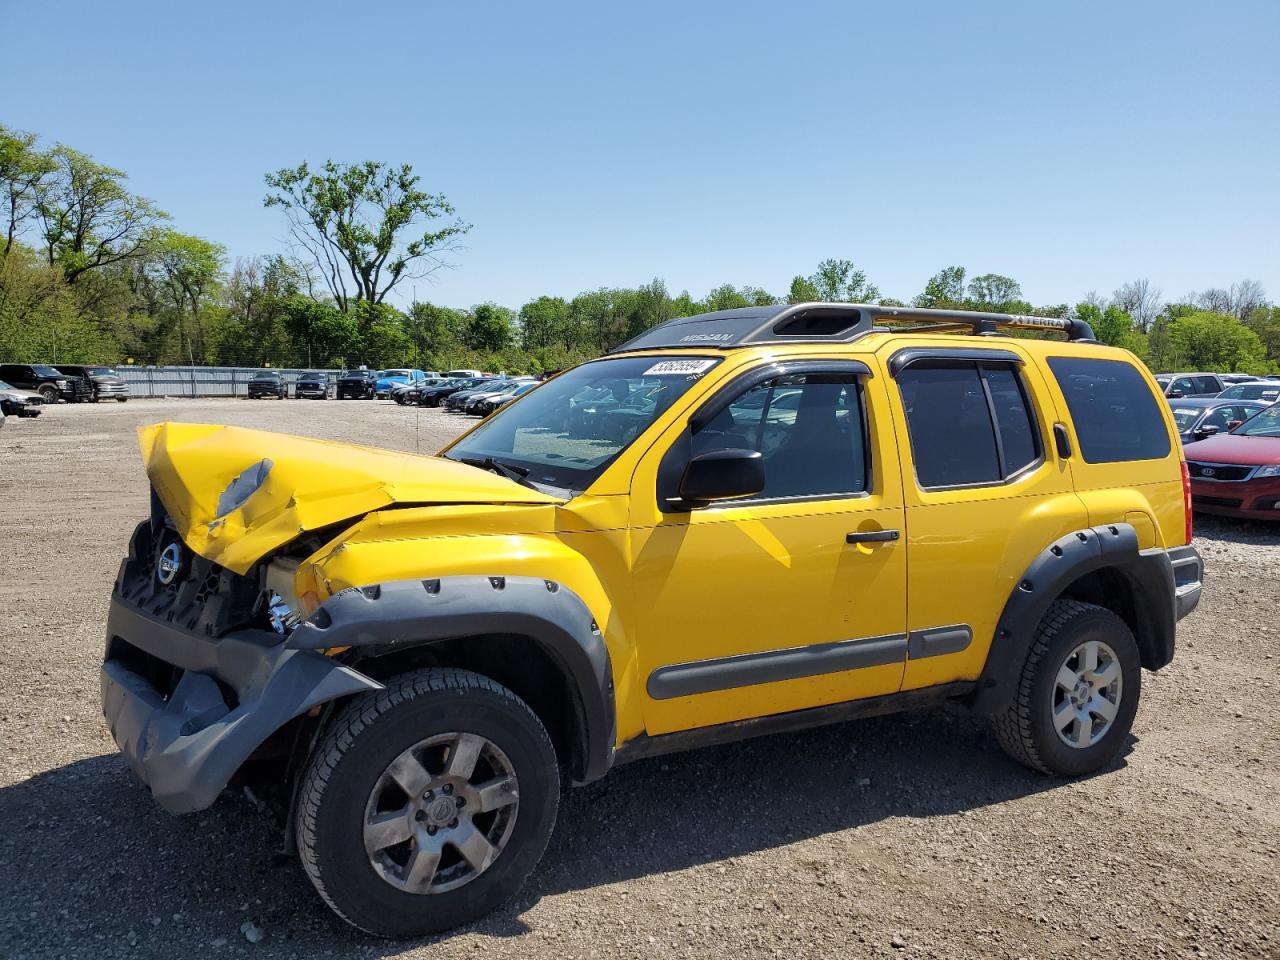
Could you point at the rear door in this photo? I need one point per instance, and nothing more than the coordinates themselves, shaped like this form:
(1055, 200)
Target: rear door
(984, 491)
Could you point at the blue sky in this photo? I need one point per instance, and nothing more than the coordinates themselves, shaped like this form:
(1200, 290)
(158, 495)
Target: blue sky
(1072, 146)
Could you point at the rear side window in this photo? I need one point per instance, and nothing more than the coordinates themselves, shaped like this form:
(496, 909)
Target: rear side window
(1114, 411)
(970, 423)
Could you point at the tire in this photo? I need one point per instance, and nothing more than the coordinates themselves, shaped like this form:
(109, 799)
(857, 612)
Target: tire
(1027, 730)
(122, 399)
(49, 392)
(346, 781)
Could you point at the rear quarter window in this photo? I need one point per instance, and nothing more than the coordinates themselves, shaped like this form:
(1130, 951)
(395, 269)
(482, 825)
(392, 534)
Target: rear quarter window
(1116, 415)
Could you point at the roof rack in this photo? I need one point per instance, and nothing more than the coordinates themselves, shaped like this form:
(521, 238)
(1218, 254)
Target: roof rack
(832, 323)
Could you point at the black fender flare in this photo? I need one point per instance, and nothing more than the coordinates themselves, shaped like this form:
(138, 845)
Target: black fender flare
(1148, 577)
(401, 614)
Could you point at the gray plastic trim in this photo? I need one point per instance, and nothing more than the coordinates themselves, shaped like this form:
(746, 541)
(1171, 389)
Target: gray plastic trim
(727, 673)
(938, 641)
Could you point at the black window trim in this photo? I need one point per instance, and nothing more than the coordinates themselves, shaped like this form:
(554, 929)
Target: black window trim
(978, 360)
(737, 386)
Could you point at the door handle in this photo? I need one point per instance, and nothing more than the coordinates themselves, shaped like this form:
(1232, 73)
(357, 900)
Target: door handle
(872, 536)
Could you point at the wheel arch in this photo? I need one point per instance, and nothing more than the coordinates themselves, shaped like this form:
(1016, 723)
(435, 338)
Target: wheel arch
(534, 636)
(1102, 565)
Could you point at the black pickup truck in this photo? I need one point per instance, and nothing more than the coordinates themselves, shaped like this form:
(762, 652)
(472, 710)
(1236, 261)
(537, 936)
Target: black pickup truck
(51, 383)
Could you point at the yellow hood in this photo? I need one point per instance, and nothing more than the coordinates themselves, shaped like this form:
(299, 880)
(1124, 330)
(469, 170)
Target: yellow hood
(236, 495)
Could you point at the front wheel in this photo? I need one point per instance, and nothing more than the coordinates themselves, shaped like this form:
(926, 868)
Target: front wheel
(1078, 692)
(427, 804)
(49, 392)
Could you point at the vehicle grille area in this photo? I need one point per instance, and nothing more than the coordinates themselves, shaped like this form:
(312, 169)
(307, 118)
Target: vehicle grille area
(1219, 471)
(198, 595)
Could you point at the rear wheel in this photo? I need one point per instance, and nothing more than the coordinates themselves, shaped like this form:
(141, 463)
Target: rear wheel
(427, 804)
(1078, 692)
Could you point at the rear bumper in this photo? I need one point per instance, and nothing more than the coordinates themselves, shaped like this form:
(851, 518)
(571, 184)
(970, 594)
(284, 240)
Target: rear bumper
(1188, 579)
(231, 693)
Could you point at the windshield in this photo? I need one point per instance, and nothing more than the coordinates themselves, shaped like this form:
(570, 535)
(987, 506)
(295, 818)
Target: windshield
(1264, 424)
(44, 370)
(1184, 417)
(397, 373)
(5, 386)
(570, 429)
(102, 371)
(1252, 391)
(266, 376)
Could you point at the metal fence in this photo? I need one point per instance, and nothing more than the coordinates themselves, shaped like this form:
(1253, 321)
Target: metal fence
(202, 381)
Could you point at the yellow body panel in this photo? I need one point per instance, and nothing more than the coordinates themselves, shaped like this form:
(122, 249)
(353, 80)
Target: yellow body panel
(671, 588)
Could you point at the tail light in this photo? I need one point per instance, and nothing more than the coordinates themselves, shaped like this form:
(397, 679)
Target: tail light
(1186, 497)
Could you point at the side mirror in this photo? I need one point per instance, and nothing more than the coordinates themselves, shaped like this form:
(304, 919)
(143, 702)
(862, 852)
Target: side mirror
(1208, 431)
(1175, 394)
(1232, 424)
(722, 475)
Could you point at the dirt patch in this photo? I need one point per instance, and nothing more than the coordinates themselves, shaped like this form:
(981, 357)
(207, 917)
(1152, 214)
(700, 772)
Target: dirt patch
(904, 836)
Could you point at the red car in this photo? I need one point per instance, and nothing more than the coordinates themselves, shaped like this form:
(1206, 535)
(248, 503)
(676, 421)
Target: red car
(1237, 474)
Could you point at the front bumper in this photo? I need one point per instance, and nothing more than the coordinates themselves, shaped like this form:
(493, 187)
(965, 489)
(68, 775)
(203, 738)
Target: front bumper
(1254, 499)
(110, 389)
(222, 697)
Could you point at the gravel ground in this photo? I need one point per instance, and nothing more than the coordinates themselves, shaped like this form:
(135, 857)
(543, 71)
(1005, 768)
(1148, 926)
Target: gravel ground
(909, 836)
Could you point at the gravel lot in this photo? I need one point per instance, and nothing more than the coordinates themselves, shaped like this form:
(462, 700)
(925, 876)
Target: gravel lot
(908, 836)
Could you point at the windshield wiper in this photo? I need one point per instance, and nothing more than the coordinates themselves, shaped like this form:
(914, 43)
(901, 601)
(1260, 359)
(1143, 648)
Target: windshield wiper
(509, 470)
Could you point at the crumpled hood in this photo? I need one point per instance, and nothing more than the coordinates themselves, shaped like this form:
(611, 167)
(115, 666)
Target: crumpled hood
(236, 494)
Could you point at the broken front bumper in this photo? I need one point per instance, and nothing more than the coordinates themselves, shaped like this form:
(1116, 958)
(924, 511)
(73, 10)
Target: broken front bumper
(187, 710)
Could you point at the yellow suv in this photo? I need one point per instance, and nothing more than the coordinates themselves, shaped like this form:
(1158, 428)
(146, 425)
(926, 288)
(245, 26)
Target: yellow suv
(737, 523)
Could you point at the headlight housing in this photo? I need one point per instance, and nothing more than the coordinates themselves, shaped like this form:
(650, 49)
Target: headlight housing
(1270, 470)
(60, 384)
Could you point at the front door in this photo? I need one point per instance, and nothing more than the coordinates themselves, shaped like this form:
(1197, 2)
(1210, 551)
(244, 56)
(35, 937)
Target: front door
(790, 599)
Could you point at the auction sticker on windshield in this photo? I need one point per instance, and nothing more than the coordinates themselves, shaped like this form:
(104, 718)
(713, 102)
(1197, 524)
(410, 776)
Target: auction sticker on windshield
(667, 367)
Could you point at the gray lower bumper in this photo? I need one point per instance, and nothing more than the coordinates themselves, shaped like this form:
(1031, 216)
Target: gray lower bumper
(187, 745)
(1188, 578)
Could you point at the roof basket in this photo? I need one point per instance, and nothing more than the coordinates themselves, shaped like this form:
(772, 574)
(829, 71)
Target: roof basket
(833, 323)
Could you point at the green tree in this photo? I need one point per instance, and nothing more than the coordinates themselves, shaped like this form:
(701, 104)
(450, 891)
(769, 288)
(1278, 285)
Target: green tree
(436, 333)
(325, 334)
(543, 321)
(185, 270)
(945, 290)
(367, 226)
(490, 327)
(1111, 326)
(23, 172)
(991, 291)
(88, 220)
(1214, 341)
(835, 281)
(1265, 322)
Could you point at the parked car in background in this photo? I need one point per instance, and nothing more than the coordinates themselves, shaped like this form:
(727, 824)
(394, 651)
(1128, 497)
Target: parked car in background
(1268, 391)
(457, 401)
(50, 382)
(268, 383)
(438, 395)
(311, 386)
(357, 385)
(1237, 474)
(1191, 384)
(501, 389)
(464, 374)
(491, 403)
(387, 379)
(106, 383)
(19, 403)
(403, 393)
(1230, 378)
(1201, 417)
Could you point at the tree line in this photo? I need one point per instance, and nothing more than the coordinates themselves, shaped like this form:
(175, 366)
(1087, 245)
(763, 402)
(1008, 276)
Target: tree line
(92, 273)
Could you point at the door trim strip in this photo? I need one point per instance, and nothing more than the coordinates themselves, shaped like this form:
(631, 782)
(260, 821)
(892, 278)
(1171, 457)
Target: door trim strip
(793, 663)
(938, 641)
